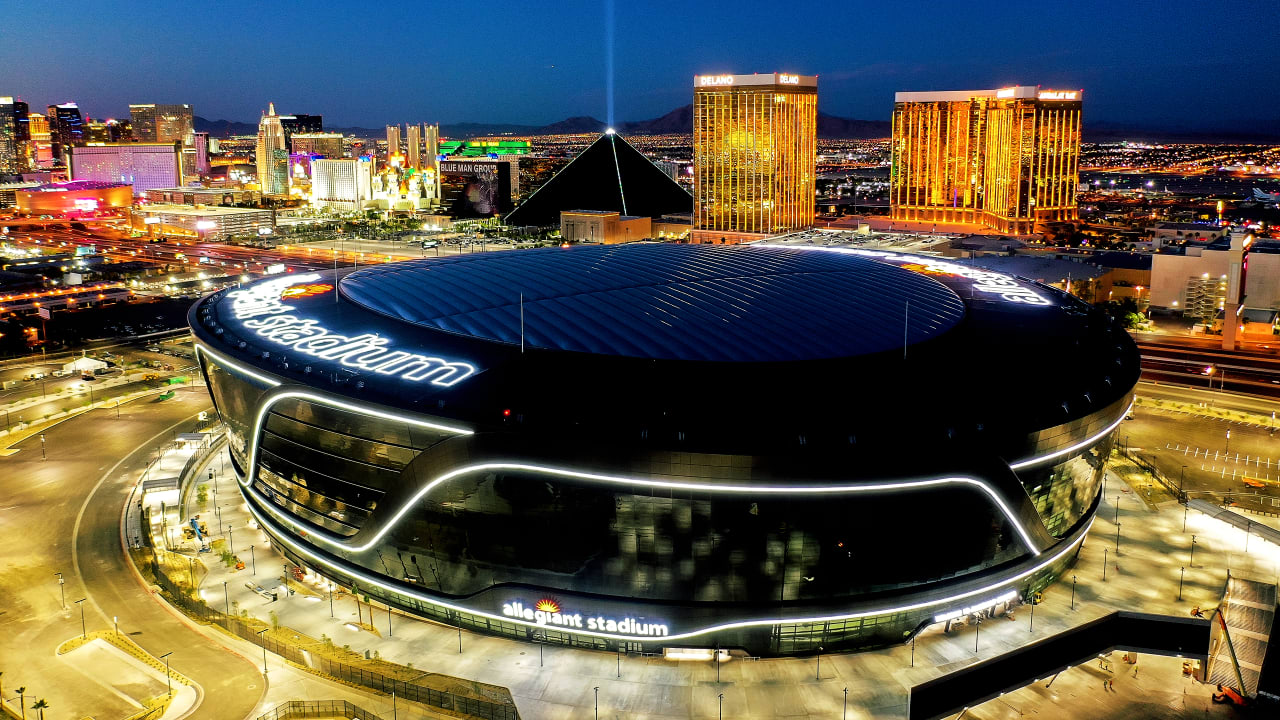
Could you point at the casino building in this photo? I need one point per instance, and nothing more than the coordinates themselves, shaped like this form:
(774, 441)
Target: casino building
(646, 446)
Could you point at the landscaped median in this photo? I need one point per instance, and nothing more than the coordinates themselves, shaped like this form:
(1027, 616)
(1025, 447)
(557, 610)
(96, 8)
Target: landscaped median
(1266, 421)
(151, 706)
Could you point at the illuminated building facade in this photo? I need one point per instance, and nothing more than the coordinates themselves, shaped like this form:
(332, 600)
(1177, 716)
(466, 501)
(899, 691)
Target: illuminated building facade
(1007, 159)
(272, 155)
(754, 155)
(404, 429)
(78, 196)
(342, 184)
(297, 124)
(162, 123)
(415, 147)
(394, 157)
(327, 145)
(40, 146)
(12, 157)
(143, 165)
(66, 128)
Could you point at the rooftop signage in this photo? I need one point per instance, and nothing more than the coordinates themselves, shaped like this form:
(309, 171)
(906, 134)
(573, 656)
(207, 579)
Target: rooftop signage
(996, 285)
(259, 307)
(768, 79)
(1058, 95)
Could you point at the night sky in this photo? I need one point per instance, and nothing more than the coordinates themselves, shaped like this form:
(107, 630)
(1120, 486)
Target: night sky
(1164, 65)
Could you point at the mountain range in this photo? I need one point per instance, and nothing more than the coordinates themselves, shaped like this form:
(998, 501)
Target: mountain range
(680, 120)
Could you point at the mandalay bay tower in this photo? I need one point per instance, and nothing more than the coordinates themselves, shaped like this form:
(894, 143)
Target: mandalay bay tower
(1007, 159)
(754, 155)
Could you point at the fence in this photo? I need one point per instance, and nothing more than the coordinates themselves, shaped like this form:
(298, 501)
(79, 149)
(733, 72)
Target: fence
(1151, 470)
(318, 709)
(348, 673)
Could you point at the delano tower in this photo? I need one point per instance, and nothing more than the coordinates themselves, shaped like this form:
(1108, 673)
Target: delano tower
(1007, 159)
(754, 155)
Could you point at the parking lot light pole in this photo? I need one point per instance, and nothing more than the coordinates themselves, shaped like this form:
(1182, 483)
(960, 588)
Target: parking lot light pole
(1182, 573)
(83, 632)
(62, 587)
(1192, 560)
(1073, 592)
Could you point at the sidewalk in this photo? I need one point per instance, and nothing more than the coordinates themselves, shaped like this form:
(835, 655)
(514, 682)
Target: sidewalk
(1144, 575)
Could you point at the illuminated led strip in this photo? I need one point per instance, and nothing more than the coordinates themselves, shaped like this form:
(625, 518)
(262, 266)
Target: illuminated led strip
(322, 400)
(337, 542)
(1029, 462)
(282, 537)
(239, 368)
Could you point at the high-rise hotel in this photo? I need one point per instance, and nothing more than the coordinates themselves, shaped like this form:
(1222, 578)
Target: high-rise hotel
(1007, 159)
(754, 155)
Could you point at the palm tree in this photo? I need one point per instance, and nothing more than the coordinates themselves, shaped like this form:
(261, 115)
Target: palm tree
(22, 702)
(40, 705)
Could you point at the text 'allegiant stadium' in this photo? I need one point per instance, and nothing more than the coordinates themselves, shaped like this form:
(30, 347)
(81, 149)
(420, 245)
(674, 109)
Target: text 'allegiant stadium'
(259, 307)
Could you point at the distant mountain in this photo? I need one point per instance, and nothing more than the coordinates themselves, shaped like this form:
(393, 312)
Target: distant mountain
(571, 126)
(224, 128)
(680, 120)
(1116, 132)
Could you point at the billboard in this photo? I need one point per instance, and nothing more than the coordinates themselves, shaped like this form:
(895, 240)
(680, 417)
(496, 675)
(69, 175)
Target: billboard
(475, 188)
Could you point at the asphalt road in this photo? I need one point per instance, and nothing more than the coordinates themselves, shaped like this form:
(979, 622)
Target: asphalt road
(63, 515)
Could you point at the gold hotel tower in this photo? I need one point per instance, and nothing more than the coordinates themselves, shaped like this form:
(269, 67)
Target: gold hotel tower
(1007, 159)
(754, 155)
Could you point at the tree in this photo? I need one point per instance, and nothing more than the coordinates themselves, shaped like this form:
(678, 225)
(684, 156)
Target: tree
(22, 692)
(40, 705)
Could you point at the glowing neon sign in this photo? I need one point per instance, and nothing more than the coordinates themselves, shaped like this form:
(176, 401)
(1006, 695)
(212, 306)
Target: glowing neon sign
(1006, 92)
(260, 308)
(557, 618)
(985, 281)
(1058, 95)
(713, 80)
(785, 79)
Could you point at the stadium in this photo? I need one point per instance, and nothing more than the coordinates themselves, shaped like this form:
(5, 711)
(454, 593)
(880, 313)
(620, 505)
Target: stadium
(649, 446)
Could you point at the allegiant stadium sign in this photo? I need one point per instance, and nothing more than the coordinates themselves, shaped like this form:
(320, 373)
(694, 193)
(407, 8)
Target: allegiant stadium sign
(260, 309)
(547, 612)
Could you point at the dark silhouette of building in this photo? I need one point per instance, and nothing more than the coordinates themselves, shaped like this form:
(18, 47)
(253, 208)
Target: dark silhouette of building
(609, 175)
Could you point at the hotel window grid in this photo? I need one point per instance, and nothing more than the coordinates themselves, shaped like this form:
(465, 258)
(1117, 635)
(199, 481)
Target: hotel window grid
(755, 152)
(1007, 163)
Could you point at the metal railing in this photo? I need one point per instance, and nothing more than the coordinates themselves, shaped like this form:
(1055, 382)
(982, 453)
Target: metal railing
(485, 709)
(318, 709)
(1149, 468)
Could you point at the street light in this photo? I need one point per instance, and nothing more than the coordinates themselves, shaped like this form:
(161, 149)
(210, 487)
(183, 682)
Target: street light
(1182, 573)
(264, 649)
(844, 712)
(818, 674)
(722, 706)
(1192, 560)
(167, 677)
(83, 633)
(62, 587)
(226, 599)
(1073, 593)
(597, 689)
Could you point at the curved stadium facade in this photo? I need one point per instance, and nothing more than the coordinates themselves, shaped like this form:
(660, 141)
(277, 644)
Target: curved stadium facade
(647, 446)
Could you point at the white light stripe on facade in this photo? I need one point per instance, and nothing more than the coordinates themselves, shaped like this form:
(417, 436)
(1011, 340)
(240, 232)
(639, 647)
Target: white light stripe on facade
(283, 537)
(1029, 462)
(321, 400)
(240, 368)
(340, 543)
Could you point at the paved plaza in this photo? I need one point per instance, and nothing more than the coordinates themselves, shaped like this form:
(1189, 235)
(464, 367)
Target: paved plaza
(556, 682)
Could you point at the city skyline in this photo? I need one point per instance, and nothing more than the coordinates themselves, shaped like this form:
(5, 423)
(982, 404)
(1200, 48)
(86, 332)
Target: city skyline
(1119, 54)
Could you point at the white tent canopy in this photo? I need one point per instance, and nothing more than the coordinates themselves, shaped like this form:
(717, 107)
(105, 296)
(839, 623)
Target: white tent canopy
(83, 364)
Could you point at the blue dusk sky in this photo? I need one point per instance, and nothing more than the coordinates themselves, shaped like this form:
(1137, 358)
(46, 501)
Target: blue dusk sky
(1172, 64)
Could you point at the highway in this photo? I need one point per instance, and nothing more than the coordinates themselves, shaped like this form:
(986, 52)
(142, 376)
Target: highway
(63, 515)
(1255, 371)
